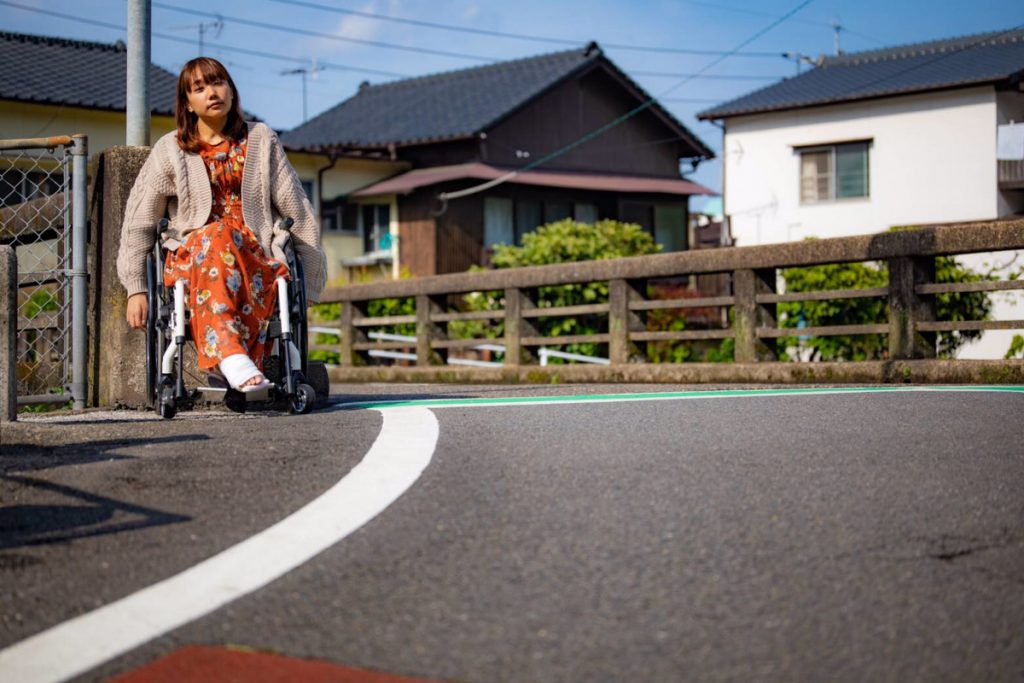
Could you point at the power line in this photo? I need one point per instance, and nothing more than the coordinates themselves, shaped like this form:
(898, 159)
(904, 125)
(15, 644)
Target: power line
(327, 36)
(445, 197)
(331, 36)
(669, 74)
(220, 46)
(506, 34)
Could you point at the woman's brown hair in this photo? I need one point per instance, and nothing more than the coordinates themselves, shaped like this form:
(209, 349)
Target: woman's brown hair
(211, 71)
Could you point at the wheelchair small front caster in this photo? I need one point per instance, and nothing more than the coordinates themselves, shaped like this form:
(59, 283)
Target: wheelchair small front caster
(304, 399)
(166, 406)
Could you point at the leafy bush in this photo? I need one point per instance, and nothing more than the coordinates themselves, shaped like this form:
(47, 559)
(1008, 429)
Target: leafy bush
(953, 306)
(567, 241)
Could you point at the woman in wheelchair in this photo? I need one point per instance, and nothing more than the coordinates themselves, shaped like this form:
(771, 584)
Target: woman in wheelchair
(226, 186)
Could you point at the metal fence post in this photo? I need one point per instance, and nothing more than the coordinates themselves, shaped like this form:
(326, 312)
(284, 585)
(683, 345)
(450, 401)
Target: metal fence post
(79, 269)
(8, 334)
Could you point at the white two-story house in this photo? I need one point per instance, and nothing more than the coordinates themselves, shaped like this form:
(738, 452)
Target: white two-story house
(865, 141)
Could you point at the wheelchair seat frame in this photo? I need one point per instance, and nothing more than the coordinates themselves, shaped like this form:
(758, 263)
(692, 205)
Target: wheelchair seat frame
(167, 331)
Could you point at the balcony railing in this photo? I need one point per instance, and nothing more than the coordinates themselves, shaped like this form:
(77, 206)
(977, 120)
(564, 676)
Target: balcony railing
(1011, 174)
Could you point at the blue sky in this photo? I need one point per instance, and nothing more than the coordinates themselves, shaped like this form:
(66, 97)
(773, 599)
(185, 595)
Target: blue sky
(689, 24)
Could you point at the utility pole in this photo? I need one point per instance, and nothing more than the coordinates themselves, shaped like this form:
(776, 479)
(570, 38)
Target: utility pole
(140, 15)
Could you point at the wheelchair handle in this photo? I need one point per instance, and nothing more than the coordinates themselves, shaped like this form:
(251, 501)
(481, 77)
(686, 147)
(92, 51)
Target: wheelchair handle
(162, 225)
(288, 223)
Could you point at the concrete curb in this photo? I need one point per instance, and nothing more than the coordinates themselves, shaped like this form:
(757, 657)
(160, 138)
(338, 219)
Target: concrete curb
(861, 372)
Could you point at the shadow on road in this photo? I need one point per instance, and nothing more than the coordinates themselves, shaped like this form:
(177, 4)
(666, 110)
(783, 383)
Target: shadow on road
(32, 458)
(28, 525)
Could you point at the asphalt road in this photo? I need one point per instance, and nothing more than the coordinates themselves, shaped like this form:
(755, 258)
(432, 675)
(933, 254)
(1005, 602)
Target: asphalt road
(863, 536)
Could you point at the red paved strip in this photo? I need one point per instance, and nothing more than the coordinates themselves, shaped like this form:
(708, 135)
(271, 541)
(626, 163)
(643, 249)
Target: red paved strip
(204, 664)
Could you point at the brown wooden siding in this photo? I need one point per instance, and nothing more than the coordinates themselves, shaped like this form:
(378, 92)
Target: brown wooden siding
(417, 242)
(642, 145)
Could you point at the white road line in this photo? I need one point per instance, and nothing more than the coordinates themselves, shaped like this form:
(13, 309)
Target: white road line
(402, 451)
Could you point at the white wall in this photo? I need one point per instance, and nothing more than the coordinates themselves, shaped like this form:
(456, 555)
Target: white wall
(932, 159)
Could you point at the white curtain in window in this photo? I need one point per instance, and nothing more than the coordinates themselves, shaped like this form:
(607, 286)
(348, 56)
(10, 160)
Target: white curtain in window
(498, 226)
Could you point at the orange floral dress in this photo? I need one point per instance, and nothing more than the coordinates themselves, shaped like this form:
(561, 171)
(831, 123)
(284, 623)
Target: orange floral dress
(229, 278)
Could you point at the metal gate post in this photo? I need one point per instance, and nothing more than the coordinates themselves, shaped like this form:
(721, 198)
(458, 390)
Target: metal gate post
(79, 269)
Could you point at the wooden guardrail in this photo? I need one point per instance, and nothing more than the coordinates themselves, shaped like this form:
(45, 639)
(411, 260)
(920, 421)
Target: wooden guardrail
(911, 328)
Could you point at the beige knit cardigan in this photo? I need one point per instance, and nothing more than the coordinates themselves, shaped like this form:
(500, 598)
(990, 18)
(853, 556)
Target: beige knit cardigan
(176, 183)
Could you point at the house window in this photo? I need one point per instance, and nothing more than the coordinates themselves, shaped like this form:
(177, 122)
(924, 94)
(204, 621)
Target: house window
(557, 211)
(499, 227)
(528, 218)
(339, 216)
(585, 213)
(307, 187)
(833, 172)
(376, 224)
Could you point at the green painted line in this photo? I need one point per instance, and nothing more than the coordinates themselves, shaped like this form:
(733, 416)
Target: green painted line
(664, 396)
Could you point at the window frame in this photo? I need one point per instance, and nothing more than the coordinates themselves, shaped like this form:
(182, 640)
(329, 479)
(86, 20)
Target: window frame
(831, 148)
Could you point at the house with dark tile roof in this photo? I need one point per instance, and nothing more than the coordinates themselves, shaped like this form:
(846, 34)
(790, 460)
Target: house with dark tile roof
(56, 86)
(868, 140)
(459, 129)
(925, 133)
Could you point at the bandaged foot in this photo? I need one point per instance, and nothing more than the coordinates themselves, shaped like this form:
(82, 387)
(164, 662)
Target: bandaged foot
(241, 373)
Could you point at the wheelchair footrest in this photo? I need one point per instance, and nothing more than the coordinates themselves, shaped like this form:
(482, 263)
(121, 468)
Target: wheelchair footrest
(221, 393)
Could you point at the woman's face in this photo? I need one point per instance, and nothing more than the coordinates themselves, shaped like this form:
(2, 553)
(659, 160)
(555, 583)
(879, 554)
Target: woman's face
(210, 101)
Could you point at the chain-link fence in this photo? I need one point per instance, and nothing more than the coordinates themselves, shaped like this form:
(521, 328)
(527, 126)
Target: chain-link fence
(43, 216)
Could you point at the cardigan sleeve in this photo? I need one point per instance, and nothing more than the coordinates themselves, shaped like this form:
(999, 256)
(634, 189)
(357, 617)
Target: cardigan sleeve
(147, 203)
(290, 200)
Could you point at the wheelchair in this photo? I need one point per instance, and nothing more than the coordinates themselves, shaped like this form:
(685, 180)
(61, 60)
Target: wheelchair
(168, 330)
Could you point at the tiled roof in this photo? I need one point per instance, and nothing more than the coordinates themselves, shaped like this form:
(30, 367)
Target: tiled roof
(451, 105)
(74, 73)
(941, 64)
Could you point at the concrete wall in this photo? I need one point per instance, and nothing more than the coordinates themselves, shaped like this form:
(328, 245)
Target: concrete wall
(931, 160)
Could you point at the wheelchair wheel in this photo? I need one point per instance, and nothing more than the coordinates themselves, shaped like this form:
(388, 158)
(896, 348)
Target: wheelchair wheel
(304, 399)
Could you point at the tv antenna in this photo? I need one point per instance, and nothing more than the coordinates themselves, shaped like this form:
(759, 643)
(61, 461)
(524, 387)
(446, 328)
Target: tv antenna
(304, 71)
(216, 26)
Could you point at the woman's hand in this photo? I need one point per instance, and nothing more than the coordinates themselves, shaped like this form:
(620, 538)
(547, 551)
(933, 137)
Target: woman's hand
(138, 309)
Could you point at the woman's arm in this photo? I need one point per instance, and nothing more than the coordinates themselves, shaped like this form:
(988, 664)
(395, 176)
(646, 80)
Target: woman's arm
(289, 199)
(147, 203)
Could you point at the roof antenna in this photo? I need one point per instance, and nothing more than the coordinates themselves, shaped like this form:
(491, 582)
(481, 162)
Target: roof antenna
(837, 27)
(217, 26)
(304, 71)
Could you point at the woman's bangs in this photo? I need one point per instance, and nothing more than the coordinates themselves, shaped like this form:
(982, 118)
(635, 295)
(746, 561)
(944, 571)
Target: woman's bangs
(207, 70)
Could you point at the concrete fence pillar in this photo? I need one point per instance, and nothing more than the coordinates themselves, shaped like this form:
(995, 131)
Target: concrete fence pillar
(8, 334)
(517, 327)
(427, 330)
(120, 351)
(907, 308)
(751, 315)
(622, 321)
